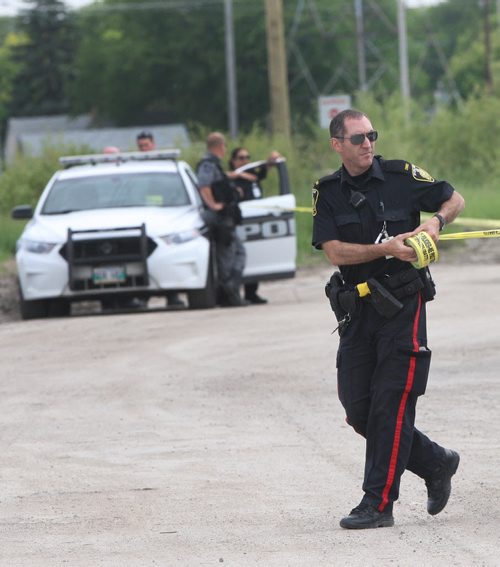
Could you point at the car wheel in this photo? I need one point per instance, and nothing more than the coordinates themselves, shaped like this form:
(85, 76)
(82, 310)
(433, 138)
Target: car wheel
(205, 298)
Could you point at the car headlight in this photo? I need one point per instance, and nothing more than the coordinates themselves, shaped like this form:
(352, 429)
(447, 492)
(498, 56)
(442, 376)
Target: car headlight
(181, 237)
(35, 246)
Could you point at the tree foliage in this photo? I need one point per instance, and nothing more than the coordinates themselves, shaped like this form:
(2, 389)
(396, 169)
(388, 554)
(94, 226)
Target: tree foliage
(44, 61)
(131, 62)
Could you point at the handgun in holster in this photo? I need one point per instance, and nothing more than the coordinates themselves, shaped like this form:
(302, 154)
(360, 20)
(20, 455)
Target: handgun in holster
(382, 300)
(343, 300)
(332, 289)
(429, 289)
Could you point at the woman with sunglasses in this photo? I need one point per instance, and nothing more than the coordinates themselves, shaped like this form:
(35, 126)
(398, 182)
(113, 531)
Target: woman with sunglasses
(249, 184)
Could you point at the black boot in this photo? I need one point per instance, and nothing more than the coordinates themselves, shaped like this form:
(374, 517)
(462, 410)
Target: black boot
(439, 485)
(365, 517)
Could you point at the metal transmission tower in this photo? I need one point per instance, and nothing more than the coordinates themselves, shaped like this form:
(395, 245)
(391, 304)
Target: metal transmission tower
(343, 18)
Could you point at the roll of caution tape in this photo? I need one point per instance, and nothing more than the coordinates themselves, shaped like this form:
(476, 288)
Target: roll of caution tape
(425, 249)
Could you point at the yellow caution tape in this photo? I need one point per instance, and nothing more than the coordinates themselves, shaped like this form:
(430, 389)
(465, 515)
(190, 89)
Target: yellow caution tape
(465, 221)
(494, 233)
(278, 208)
(425, 248)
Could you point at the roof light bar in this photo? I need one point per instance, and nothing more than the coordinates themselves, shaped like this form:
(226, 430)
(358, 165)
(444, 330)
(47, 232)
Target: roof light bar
(93, 159)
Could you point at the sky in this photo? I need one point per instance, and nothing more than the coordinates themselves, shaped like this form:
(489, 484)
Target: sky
(10, 7)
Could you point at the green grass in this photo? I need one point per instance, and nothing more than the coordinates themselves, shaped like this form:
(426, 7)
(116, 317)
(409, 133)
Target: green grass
(481, 202)
(9, 232)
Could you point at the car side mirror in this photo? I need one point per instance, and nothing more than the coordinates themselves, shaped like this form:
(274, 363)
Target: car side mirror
(22, 212)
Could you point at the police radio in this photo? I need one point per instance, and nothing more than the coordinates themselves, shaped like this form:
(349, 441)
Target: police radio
(357, 199)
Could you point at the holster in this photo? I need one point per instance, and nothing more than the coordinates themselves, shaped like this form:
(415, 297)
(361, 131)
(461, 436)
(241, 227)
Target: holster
(343, 300)
(429, 287)
(382, 300)
(332, 289)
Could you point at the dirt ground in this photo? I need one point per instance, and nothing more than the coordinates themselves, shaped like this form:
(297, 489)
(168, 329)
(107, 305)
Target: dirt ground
(198, 438)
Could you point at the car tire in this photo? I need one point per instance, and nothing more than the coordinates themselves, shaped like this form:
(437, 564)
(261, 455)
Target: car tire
(205, 298)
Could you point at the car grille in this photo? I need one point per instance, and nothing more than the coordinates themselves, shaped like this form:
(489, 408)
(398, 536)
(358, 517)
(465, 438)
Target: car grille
(84, 254)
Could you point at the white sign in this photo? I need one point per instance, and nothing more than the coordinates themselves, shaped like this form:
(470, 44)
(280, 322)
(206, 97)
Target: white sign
(330, 106)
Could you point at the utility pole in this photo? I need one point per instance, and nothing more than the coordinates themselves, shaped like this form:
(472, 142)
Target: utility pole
(403, 59)
(488, 77)
(360, 40)
(232, 96)
(277, 68)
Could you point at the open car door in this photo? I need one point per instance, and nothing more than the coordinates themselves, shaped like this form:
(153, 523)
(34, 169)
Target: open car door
(268, 227)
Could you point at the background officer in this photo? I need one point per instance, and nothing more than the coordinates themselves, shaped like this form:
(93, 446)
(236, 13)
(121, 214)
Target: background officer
(362, 214)
(249, 183)
(146, 143)
(221, 199)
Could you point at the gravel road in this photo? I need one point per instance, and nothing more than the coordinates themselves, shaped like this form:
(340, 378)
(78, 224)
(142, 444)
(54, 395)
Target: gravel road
(198, 438)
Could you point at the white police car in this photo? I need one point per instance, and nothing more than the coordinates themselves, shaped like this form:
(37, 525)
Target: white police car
(129, 225)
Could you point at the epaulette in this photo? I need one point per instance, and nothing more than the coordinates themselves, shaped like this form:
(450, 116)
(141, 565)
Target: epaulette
(395, 165)
(331, 177)
(405, 167)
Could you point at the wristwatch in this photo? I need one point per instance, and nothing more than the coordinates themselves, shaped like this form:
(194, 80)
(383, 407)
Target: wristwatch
(441, 220)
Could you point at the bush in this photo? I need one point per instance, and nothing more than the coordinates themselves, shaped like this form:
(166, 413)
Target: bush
(24, 180)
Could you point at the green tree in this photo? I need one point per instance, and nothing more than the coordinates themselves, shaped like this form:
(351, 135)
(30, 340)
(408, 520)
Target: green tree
(152, 65)
(8, 70)
(45, 60)
(450, 55)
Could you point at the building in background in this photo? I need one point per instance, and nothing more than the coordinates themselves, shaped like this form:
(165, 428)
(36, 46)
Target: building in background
(30, 135)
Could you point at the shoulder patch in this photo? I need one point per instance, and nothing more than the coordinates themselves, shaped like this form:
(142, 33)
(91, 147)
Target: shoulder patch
(315, 196)
(420, 174)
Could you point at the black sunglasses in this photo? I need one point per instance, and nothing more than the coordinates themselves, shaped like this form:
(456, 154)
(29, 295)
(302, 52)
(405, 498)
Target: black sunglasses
(358, 139)
(243, 156)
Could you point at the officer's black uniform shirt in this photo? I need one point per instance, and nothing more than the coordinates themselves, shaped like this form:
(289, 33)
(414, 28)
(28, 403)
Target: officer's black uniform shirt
(252, 189)
(395, 191)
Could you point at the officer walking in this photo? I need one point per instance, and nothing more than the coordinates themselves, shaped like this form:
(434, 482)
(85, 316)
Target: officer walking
(362, 215)
(223, 215)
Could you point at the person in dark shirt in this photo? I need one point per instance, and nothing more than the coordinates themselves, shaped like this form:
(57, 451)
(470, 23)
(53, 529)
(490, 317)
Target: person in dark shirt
(249, 184)
(146, 143)
(221, 197)
(363, 213)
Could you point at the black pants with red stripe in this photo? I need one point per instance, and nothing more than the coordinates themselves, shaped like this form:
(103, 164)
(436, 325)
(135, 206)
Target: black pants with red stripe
(383, 365)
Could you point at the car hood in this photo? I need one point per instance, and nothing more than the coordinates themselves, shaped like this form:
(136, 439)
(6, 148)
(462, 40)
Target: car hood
(158, 221)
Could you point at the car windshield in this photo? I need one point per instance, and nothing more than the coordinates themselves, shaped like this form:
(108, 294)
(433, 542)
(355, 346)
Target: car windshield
(120, 190)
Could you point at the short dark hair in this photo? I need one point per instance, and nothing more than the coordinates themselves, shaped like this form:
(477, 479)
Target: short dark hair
(145, 135)
(337, 124)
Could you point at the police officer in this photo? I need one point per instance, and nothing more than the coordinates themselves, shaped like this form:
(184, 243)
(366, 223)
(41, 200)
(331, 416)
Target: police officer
(362, 214)
(221, 200)
(146, 143)
(249, 183)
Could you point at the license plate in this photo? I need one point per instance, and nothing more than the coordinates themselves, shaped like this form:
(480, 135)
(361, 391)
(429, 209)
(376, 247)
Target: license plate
(109, 275)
